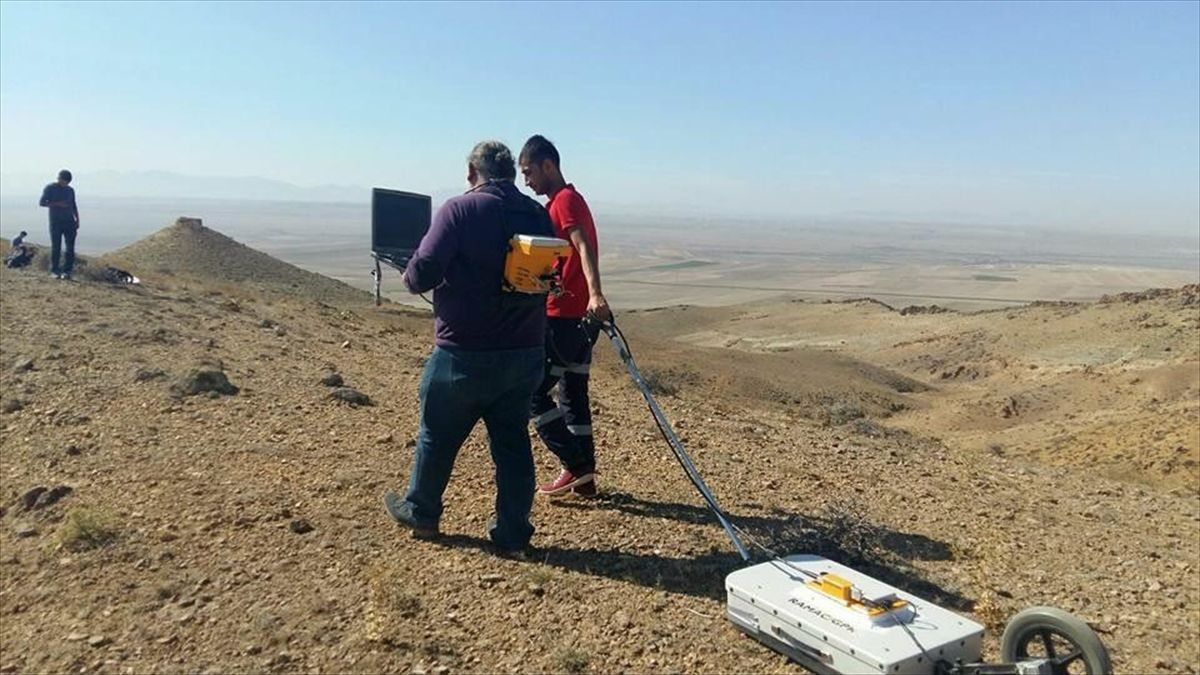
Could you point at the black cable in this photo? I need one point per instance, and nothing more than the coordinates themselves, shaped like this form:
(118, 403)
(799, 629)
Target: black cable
(614, 332)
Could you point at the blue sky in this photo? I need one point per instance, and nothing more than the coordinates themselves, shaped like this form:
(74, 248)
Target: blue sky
(1072, 115)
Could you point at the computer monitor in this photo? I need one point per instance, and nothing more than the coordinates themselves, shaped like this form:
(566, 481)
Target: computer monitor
(398, 222)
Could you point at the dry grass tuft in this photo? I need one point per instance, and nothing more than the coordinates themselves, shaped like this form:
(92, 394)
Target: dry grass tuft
(85, 529)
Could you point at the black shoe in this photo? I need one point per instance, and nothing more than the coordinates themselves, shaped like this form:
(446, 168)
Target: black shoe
(518, 553)
(401, 512)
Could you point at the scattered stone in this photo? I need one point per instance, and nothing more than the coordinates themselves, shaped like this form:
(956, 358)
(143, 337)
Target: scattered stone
(203, 380)
(51, 497)
(621, 619)
(280, 331)
(24, 530)
(31, 496)
(1010, 409)
(301, 526)
(22, 364)
(146, 374)
(98, 641)
(346, 344)
(536, 589)
(332, 380)
(351, 395)
(384, 439)
(491, 578)
(12, 405)
(76, 637)
(922, 309)
(74, 450)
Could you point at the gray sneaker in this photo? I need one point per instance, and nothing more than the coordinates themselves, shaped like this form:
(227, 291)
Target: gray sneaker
(401, 512)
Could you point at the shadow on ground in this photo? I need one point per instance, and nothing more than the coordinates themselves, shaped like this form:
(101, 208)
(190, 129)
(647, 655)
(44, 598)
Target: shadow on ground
(841, 535)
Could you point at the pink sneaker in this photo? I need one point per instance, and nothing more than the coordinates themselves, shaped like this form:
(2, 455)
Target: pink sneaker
(567, 481)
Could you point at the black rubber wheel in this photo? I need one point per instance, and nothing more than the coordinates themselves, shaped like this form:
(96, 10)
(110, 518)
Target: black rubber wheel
(1050, 633)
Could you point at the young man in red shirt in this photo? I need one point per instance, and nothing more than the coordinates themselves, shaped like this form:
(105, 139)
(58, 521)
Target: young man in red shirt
(566, 426)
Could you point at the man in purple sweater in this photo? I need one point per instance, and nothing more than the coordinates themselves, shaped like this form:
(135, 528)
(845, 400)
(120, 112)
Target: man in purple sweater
(488, 349)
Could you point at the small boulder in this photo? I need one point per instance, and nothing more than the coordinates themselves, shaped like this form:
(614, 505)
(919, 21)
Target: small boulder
(350, 395)
(332, 380)
(98, 641)
(203, 380)
(144, 374)
(31, 496)
(51, 497)
(301, 526)
(22, 364)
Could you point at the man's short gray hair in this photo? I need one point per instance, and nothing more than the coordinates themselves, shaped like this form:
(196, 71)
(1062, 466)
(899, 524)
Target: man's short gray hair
(493, 161)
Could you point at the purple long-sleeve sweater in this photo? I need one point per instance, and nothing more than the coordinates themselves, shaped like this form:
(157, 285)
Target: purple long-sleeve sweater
(461, 259)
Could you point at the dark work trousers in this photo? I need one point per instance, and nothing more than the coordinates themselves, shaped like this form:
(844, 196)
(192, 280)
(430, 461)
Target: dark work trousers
(565, 426)
(58, 233)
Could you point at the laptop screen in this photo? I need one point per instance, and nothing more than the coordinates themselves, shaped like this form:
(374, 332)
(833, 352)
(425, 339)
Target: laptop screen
(398, 221)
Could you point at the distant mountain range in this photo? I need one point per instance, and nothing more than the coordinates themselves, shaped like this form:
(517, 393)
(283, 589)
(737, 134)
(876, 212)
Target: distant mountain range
(166, 184)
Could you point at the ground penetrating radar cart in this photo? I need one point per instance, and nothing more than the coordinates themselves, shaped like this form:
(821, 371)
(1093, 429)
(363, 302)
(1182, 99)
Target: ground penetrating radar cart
(832, 619)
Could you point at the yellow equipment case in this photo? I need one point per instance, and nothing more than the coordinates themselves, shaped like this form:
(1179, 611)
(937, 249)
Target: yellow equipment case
(532, 263)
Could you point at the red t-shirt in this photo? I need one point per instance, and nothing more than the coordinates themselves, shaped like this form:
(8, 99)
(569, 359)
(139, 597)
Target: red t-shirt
(568, 210)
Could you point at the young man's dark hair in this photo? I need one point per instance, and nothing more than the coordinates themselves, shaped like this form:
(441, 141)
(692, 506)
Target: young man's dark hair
(537, 150)
(64, 175)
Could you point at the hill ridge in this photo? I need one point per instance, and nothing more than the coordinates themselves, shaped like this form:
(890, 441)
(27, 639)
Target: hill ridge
(189, 249)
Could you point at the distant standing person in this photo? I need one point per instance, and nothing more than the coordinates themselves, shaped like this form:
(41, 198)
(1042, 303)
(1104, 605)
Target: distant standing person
(566, 426)
(59, 197)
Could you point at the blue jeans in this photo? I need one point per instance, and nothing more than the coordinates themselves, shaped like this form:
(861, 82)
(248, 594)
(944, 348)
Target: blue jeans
(458, 388)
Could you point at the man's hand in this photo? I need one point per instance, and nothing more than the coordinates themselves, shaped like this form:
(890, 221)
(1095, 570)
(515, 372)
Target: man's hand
(598, 307)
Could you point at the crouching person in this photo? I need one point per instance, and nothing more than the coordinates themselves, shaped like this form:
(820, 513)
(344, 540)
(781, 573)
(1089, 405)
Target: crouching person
(488, 349)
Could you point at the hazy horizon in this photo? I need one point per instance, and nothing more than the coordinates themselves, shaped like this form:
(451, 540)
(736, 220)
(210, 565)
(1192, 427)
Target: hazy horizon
(654, 262)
